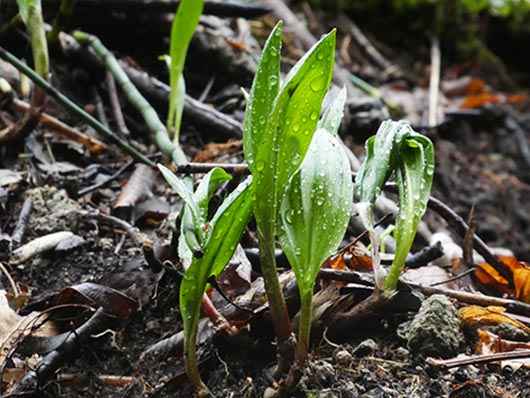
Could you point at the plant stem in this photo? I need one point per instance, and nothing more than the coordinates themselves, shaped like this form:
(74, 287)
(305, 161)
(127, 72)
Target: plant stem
(66, 10)
(135, 97)
(278, 308)
(190, 360)
(304, 328)
(72, 107)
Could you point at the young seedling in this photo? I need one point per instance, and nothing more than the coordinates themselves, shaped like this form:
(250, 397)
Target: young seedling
(205, 249)
(280, 121)
(314, 213)
(182, 29)
(395, 149)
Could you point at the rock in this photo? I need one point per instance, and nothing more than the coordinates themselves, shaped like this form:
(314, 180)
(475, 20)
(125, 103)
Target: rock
(402, 353)
(270, 393)
(52, 211)
(435, 330)
(70, 244)
(366, 347)
(317, 374)
(343, 358)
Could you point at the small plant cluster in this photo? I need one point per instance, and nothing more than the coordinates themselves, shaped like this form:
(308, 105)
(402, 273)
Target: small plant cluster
(300, 189)
(300, 192)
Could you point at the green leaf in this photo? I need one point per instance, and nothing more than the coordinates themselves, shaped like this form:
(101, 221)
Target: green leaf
(183, 191)
(224, 233)
(414, 177)
(209, 183)
(264, 90)
(182, 29)
(379, 162)
(289, 128)
(332, 116)
(316, 208)
(192, 233)
(396, 148)
(23, 8)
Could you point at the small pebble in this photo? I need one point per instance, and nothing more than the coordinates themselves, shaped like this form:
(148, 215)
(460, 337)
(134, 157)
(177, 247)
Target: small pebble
(367, 347)
(402, 353)
(343, 358)
(270, 393)
(69, 245)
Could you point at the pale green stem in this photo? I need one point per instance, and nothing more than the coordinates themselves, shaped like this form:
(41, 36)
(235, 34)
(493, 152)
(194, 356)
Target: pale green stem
(190, 361)
(278, 308)
(403, 246)
(136, 98)
(304, 328)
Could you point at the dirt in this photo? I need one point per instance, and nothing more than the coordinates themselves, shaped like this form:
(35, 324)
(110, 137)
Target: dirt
(479, 164)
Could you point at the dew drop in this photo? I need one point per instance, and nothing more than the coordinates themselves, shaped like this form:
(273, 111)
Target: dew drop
(306, 132)
(296, 126)
(289, 216)
(314, 115)
(318, 83)
(273, 81)
(260, 165)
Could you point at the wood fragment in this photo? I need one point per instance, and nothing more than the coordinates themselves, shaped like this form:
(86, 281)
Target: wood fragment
(478, 359)
(59, 128)
(349, 26)
(38, 246)
(434, 84)
(20, 229)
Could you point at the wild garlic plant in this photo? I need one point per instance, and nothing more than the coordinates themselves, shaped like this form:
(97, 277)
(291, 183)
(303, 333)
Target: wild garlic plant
(300, 190)
(205, 247)
(280, 121)
(397, 150)
(315, 212)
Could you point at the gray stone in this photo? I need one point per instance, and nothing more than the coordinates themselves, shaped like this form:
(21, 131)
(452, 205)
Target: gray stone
(435, 330)
(70, 244)
(366, 347)
(343, 358)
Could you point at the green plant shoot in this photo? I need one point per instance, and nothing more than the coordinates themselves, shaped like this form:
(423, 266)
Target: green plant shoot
(184, 25)
(216, 242)
(396, 148)
(31, 12)
(315, 212)
(279, 124)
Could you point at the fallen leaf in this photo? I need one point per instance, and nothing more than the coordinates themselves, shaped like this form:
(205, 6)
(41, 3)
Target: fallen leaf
(474, 314)
(490, 279)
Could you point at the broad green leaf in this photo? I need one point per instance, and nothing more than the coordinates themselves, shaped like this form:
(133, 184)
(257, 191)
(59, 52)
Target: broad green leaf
(182, 29)
(264, 90)
(332, 116)
(290, 128)
(225, 232)
(316, 208)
